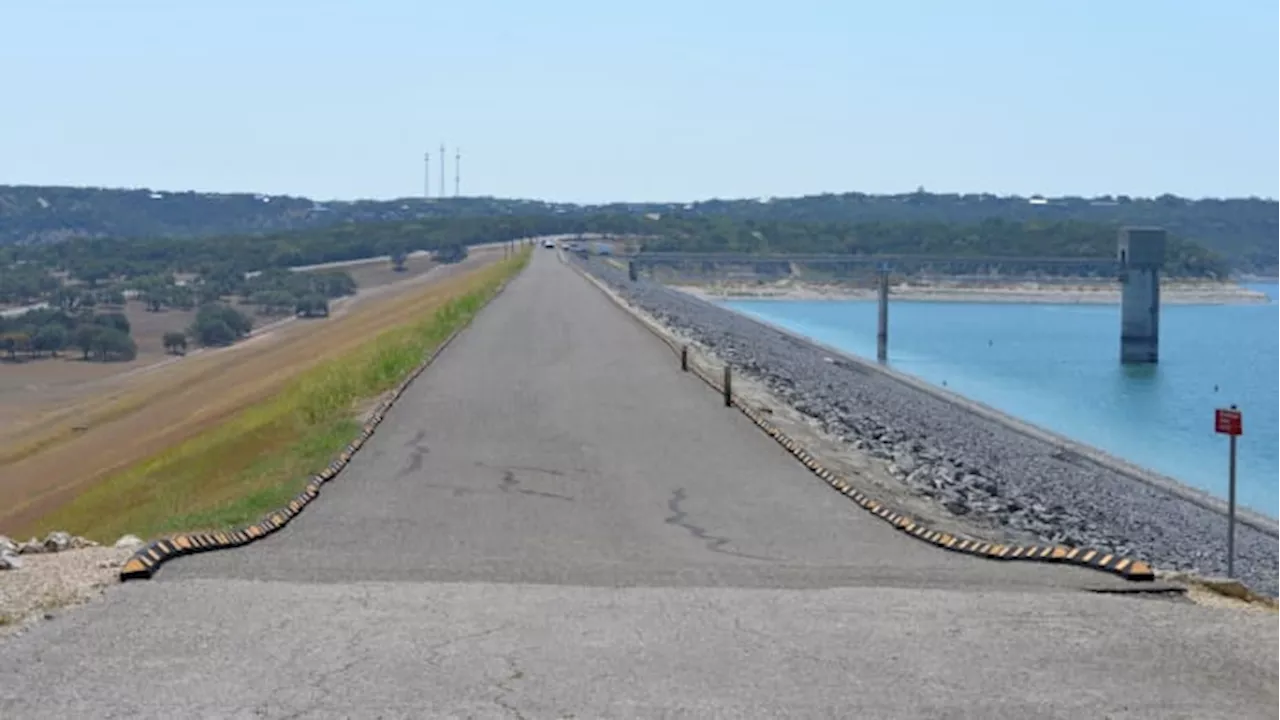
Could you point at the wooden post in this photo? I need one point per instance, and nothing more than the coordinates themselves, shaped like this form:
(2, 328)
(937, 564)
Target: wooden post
(728, 387)
(684, 358)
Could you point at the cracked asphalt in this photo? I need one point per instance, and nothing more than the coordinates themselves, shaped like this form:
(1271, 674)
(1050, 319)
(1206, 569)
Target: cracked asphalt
(554, 522)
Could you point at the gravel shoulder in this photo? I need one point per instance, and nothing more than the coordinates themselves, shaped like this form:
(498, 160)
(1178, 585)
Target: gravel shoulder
(951, 464)
(48, 583)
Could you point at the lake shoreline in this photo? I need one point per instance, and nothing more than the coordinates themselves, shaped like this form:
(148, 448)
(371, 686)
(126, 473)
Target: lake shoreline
(1019, 293)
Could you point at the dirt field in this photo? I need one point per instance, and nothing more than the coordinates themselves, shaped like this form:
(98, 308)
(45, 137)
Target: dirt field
(32, 389)
(61, 433)
(52, 381)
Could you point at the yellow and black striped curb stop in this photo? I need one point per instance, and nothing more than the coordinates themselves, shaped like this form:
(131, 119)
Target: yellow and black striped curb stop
(144, 563)
(1125, 567)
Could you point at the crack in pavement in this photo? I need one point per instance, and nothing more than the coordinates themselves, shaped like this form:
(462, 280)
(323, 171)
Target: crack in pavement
(417, 449)
(505, 686)
(523, 468)
(318, 682)
(434, 658)
(511, 484)
(680, 518)
(433, 651)
(459, 490)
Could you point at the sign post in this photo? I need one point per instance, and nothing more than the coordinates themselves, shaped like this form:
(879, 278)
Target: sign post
(1230, 422)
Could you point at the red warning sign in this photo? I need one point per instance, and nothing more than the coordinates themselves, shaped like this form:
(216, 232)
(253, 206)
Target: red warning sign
(1228, 421)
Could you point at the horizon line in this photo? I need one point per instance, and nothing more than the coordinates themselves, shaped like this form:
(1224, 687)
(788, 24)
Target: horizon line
(756, 198)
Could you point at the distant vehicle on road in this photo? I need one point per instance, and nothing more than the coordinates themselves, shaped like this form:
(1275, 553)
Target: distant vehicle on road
(548, 243)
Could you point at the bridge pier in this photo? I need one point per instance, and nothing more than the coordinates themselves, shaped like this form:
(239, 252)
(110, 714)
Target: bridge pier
(882, 324)
(1141, 252)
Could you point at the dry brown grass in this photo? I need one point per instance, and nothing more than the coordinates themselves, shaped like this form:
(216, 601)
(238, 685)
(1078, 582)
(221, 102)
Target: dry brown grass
(41, 391)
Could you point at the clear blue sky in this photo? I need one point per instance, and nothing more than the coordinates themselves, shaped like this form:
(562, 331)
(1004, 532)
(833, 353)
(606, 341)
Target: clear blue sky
(660, 100)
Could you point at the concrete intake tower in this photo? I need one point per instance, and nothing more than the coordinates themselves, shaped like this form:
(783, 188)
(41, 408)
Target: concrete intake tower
(1141, 253)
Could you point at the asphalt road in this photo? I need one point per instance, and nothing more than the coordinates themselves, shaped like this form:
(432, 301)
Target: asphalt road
(554, 522)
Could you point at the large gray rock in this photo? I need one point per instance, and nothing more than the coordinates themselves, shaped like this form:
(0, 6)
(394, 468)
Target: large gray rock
(32, 547)
(128, 542)
(904, 463)
(9, 559)
(7, 544)
(57, 541)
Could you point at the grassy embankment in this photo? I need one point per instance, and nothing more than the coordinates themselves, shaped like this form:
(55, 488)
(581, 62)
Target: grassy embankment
(254, 462)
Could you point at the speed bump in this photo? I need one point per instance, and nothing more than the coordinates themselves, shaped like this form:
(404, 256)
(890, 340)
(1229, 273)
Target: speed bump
(1125, 567)
(144, 563)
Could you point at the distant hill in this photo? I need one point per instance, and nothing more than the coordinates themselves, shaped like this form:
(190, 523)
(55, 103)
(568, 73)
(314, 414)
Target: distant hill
(34, 214)
(1243, 231)
(32, 272)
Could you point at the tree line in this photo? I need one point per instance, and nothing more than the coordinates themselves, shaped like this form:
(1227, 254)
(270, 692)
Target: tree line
(1240, 230)
(989, 238)
(72, 318)
(255, 267)
(50, 331)
(38, 214)
(107, 336)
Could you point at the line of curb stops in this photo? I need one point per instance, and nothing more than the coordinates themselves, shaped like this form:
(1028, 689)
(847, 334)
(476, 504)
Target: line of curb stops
(144, 563)
(1125, 567)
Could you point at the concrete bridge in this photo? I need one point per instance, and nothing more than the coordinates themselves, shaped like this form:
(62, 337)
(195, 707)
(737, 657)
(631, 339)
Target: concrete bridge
(1135, 269)
(554, 522)
(1106, 268)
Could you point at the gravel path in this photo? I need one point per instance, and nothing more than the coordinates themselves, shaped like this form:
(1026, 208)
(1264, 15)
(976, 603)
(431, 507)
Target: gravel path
(972, 466)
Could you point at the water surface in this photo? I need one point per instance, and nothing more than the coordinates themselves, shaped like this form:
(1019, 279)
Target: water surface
(1058, 366)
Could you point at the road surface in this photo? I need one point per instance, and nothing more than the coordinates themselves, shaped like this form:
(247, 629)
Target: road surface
(554, 522)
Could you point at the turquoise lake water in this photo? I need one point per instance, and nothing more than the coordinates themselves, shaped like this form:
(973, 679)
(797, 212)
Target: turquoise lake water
(1058, 366)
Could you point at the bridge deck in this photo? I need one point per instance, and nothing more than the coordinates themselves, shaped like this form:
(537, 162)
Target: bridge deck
(555, 521)
(1091, 264)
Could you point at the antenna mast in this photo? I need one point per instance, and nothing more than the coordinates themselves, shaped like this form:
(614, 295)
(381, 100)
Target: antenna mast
(457, 171)
(442, 161)
(426, 175)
